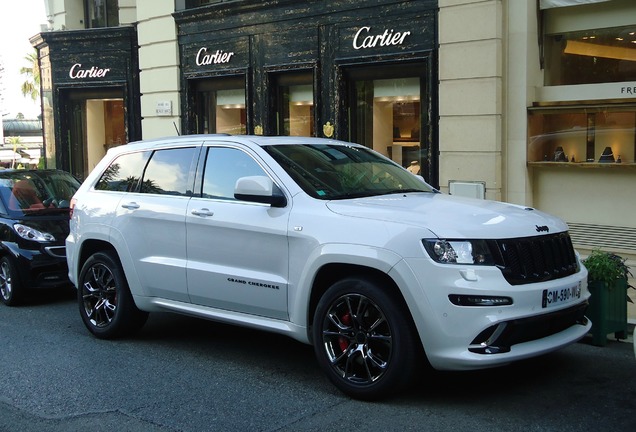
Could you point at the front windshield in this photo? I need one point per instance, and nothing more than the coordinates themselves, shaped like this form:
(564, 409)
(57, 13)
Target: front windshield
(327, 171)
(33, 192)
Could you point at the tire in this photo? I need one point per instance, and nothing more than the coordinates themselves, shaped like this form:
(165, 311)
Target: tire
(364, 339)
(11, 289)
(105, 302)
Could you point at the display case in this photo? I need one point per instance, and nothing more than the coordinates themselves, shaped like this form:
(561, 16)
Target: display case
(589, 136)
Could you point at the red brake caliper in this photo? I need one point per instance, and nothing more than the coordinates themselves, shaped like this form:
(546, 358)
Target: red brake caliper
(342, 341)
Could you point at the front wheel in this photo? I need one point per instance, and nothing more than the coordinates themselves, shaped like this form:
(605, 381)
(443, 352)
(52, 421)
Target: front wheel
(10, 286)
(105, 302)
(364, 339)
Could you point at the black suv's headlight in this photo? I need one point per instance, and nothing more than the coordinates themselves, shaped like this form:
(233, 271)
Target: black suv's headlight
(474, 252)
(33, 234)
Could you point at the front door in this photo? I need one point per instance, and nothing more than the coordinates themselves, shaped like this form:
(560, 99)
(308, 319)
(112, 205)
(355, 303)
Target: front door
(237, 250)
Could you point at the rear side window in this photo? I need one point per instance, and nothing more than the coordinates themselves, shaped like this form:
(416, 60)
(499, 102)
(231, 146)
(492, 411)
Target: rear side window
(124, 173)
(168, 172)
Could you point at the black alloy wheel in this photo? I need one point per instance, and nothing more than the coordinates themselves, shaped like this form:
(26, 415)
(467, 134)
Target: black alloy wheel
(105, 302)
(364, 339)
(10, 286)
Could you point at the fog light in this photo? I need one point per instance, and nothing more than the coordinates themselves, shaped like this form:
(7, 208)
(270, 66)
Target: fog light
(471, 300)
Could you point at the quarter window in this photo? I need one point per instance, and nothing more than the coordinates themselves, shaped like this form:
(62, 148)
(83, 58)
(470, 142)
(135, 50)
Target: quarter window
(223, 167)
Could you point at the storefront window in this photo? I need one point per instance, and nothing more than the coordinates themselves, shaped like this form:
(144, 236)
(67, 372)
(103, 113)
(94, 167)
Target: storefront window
(601, 134)
(387, 119)
(591, 56)
(222, 106)
(101, 13)
(295, 113)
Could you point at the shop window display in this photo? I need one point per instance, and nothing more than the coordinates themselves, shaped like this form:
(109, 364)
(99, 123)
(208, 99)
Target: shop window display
(582, 135)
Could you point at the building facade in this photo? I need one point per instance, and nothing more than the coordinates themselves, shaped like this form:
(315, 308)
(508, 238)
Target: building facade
(529, 101)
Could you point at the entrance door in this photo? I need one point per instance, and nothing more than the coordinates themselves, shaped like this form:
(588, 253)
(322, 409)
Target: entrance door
(294, 101)
(220, 106)
(93, 122)
(388, 113)
(76, 138)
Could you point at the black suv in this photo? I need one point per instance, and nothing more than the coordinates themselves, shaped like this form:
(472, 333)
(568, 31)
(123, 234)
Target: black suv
(34, 223)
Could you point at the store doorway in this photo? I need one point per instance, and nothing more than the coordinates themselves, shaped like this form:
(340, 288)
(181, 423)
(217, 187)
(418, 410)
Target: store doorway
(293, 99)
(388, 112)
(220, 106)
(94, 122)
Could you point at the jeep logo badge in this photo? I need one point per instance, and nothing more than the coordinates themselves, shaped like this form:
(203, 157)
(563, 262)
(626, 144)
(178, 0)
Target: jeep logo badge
(542, 228)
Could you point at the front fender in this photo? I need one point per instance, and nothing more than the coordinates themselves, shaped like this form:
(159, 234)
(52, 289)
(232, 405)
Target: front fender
(301, 282)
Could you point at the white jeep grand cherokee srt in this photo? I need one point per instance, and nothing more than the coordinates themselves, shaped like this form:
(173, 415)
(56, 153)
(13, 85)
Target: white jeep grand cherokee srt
(327, 242)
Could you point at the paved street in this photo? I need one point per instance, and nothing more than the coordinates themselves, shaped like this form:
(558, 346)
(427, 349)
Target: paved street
(183, 374)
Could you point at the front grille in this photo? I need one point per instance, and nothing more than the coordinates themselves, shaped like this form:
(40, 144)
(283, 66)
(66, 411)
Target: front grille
(536, 259)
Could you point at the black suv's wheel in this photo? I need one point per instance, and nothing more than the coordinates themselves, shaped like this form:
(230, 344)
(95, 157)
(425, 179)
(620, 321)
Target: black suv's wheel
(10, 286)
(105, 303)
(363, 339)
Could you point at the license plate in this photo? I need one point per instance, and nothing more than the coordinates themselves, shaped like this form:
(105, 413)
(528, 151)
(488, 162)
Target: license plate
(557, 296)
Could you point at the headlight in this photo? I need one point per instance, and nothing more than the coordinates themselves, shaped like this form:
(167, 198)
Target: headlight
(474, 252)
(32, 234)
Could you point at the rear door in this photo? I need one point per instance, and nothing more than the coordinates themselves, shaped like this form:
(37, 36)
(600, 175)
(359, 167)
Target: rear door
(237, 250)
(150, 221)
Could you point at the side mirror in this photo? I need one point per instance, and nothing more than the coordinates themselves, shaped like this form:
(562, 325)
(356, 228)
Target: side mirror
(260, 189)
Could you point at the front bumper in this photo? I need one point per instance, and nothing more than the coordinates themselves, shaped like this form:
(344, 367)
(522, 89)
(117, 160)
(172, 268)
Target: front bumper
(457, 337)
(45, 268)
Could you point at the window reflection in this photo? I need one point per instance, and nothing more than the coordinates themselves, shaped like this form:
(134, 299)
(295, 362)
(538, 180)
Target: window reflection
(168, 172)
(123, 174)
(223, 167)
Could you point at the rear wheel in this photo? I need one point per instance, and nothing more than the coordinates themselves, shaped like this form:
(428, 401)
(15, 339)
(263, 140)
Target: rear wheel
(105, 302)
(363, 339)
(10, 286)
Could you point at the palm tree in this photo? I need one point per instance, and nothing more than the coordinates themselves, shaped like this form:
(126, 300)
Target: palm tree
(31, 87)
(14, 141)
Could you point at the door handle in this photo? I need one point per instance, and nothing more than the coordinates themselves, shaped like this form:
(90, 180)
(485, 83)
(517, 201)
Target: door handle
(131, 206)
(202, 212)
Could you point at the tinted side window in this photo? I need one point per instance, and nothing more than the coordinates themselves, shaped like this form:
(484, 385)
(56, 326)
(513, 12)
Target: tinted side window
(223, 167)
(168, 172)
(124, 173)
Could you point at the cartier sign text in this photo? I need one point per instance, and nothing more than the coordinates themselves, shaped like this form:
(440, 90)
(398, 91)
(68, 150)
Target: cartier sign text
(365, 39)
(94, 72)
(203, 58)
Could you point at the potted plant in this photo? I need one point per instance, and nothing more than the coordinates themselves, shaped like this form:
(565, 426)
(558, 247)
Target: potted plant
(607, 282)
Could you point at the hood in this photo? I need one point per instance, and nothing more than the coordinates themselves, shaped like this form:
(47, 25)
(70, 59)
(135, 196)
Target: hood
(453, 217)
